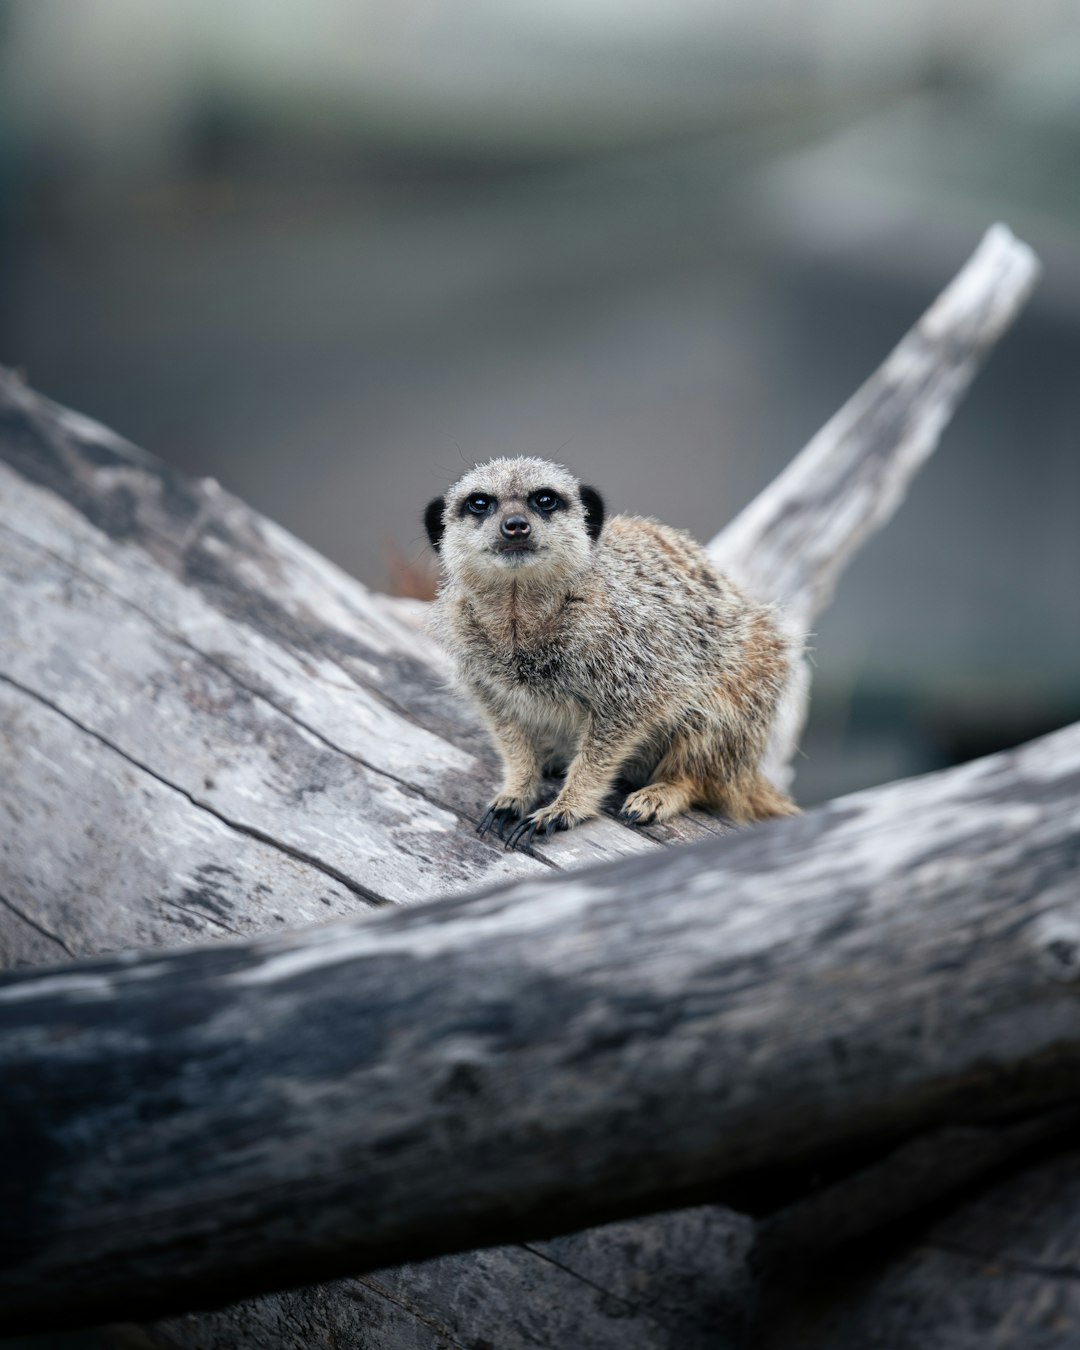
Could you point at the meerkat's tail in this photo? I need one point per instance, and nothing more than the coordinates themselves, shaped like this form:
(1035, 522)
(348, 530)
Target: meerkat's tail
(751, 797)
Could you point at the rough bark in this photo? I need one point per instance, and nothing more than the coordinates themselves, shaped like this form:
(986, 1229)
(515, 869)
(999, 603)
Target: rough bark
(242, 739)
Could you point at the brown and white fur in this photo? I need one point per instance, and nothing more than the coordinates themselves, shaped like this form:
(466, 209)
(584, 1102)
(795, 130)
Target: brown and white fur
(614, 647)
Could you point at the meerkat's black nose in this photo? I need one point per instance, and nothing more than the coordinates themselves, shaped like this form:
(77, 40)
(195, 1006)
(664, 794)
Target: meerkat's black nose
(515, 527)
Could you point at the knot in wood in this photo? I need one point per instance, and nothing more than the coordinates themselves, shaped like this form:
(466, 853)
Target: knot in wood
(1059, 950)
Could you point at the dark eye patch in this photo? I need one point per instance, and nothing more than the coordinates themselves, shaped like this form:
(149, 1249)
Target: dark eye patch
(545, 501)
(478, 504)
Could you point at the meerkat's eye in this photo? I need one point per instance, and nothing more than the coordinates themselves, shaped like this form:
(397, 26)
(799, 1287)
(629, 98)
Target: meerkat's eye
(545, 501)
(479, 503)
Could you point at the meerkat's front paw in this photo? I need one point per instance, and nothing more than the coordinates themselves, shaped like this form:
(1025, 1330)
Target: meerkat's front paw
(545, 821)
(503, 811)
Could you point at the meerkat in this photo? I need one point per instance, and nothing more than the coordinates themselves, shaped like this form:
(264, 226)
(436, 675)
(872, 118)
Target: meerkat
(611, 646)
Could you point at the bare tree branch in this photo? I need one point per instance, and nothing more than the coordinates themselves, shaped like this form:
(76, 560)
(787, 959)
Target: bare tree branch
(792, 542)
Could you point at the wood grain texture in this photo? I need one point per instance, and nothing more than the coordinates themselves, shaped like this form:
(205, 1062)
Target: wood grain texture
(726, 1020)
(1003, 1270)
(679, 1281)
(237, 738)
(227, 597)
(178, 672)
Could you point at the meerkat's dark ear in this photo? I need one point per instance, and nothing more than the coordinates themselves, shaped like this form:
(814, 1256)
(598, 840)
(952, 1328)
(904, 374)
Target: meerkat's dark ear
(594, 511)
(433, 521)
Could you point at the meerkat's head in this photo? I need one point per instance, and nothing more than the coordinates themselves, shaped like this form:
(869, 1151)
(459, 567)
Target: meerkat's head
(520, 518)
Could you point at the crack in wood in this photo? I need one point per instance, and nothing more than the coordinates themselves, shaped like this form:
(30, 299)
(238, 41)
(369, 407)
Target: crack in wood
(262, 696)
(636, 1308)
(429, 1322)
(38, 927)
(365, 893)
(198, 536)
(202, 914)
(1018, 1264)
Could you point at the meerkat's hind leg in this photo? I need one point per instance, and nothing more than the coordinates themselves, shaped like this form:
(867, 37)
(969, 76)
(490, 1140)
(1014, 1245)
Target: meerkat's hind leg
(672, 785)
(659, 800)
(685, 777)
(748, 797)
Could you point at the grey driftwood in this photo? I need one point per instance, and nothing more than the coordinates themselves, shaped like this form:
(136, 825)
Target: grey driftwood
(210, 733)
(726, 1020)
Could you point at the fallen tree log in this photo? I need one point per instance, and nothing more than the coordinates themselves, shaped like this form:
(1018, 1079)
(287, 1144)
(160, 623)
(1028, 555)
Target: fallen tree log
(721, 1021)
(276, 738)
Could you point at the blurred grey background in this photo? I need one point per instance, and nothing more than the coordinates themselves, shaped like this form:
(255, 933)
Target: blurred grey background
(325, 252)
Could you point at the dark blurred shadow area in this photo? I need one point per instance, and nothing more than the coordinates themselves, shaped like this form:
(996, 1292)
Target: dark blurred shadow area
(325, 252)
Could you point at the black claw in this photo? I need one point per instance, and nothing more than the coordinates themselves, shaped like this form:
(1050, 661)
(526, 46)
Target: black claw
(523, 833)
(636, 816)
(528, 829)
(497, 818)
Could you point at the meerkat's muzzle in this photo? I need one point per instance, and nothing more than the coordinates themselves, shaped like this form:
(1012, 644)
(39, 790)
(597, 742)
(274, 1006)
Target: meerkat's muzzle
(515, 529)
(515, 536)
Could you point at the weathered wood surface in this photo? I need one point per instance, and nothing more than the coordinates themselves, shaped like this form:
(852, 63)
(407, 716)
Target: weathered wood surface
(1001, 1271)
(697, 1279)
(221, 686)
(681, 1280)
(100, 546)
(724, 1020)
(209, 650)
